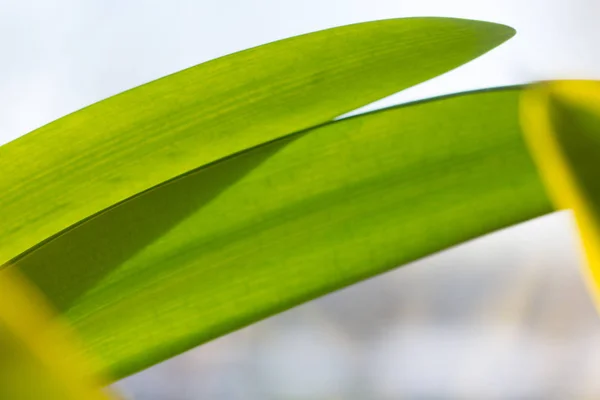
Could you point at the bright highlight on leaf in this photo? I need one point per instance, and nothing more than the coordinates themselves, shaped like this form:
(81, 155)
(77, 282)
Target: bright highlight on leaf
(38, 358)
(562, 125)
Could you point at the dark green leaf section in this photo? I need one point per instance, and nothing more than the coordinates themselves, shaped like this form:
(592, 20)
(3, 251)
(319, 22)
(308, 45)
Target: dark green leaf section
(577, 133)
(288, 221)
(83, 163)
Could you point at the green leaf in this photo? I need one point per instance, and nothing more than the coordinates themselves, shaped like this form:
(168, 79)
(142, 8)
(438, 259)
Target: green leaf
(562, 126)
(83, 163)
(285, 222)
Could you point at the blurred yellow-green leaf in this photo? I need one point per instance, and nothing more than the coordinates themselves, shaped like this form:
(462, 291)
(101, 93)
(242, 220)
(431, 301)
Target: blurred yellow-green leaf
(38, 356)
(562, 125)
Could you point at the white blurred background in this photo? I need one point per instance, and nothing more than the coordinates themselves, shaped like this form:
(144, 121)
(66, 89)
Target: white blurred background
(503, 317)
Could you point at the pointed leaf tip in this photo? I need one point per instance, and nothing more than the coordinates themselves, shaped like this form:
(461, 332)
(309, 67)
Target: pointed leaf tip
(87, 161)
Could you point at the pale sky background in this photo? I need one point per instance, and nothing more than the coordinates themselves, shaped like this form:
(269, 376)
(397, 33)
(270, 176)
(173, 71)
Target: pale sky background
(59, 56)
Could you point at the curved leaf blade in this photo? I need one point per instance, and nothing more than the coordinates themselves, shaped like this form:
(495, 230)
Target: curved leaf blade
(85, 162)
(286, 222)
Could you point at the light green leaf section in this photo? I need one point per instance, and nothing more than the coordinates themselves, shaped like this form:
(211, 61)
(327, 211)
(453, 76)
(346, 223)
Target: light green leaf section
(288, 221)
(83, 163)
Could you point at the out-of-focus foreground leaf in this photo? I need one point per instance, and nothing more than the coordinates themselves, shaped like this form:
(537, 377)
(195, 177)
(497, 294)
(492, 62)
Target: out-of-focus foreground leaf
(81, 164)
(38, 358)
(285, 222)
(562, 124)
